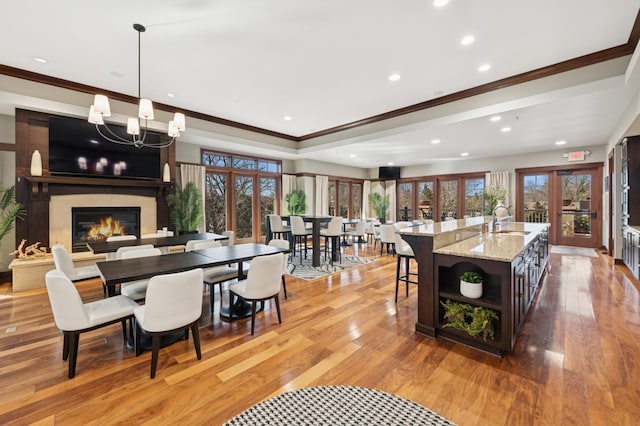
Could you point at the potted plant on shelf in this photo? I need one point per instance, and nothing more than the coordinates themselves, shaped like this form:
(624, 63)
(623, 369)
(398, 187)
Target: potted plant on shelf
(471, 285)
(379, 204)
(186, 208)
(473, 320)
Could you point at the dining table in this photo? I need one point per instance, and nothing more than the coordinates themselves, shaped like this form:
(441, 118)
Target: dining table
(316, 222)
(103, 246)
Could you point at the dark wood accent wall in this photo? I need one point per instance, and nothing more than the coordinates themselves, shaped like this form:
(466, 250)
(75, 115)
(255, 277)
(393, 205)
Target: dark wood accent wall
(34, 193)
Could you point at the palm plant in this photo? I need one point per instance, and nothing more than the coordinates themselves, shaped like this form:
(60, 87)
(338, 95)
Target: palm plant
(297, 202)
(379, 204)
(10, 210)
(186, 207)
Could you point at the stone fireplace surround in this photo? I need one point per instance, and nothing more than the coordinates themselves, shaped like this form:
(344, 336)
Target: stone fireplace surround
(60, 212)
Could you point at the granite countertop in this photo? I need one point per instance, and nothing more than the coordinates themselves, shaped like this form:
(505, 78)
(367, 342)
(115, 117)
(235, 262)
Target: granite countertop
(501, 246)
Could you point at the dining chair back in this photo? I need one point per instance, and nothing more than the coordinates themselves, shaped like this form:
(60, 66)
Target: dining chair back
(64, 263)
(263, 282)
(201, 244)
(231, 238)
(359, 233)
(387, 232)
(136, 290)
(73, 317)
(173, 303)
(283, 244)
(332, 234)
(122, 250)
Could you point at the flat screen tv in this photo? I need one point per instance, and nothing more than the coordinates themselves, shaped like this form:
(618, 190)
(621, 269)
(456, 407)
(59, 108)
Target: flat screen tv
(389, 173)
(76, 148)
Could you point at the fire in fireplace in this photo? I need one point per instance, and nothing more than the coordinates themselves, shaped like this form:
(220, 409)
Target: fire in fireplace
(99, 223)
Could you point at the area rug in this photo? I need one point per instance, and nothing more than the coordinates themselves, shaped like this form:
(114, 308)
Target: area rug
(308, 272)
(576, 251)
(337, 405)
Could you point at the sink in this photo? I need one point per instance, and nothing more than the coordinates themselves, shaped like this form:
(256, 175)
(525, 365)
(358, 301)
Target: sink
(517, 233)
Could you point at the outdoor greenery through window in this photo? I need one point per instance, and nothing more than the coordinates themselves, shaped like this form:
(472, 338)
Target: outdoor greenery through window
(473, 198)
(240, 192)
(536, 198)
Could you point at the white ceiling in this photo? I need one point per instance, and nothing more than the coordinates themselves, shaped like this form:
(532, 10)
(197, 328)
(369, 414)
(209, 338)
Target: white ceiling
(326, 63)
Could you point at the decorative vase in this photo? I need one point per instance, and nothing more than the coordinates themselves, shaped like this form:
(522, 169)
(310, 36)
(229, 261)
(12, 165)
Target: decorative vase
(471, 290)
(166, 173)
(36, 163)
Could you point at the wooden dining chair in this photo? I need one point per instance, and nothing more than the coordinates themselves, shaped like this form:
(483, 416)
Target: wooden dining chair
(167, 311)
(74, 317)
(263, 283)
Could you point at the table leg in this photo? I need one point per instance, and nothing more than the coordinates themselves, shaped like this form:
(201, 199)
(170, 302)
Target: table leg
(315, 243)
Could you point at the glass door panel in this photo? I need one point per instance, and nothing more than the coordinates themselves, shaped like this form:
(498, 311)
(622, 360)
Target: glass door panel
(244, 206)
(216, 202)
(578, 219)
(344, 199)
(405, 201)
(267, 201)
(536, 198)
(448, 199)
(425, 199)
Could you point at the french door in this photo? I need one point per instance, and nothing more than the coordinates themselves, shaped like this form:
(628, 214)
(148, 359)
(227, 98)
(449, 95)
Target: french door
(570, 198)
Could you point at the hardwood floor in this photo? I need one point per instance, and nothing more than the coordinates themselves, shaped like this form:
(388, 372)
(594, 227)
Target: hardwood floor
(577, 359)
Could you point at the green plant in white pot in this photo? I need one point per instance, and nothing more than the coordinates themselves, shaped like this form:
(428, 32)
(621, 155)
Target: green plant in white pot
(186, 208)
(471, 285)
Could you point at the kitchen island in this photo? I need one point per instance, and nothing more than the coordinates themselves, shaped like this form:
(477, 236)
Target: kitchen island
(512, 262)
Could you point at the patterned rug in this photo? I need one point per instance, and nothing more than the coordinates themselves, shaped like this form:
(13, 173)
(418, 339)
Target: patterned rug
(575, 251)
(338, 405)
(308, 272)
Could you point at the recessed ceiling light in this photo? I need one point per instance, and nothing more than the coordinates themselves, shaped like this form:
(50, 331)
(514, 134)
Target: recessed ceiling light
(464, 154)
(484, 67)
(467, 40)
(505, 129)
(352, 155)
(561, 142)
(39, 59)
(287, 118)
(390, 163)
(171, 95)
(394, 77)
(435, 141)
(496, 118)
(440, 3)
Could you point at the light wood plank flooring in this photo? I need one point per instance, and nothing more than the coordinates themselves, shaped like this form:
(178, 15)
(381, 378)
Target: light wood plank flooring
(577, 359)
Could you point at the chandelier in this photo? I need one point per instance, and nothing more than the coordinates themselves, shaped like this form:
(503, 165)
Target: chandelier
(101, 109)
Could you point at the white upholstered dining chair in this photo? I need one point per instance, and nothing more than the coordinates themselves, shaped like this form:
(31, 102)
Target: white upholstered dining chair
(299, 233)
(136, 290)
(64, 263)
(173, 303)
(263, 282)
(74, 317)
(283, 244)
(215, 275)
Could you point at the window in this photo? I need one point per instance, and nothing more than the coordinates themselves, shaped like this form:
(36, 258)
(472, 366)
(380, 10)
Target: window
(473, 196)
(425, 199)
(448, 199)
(536, 198)
(240, 192)
(356, 200)
(405, 201)
(346, 197)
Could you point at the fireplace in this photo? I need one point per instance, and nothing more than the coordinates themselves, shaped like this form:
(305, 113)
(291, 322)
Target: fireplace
(99, 223)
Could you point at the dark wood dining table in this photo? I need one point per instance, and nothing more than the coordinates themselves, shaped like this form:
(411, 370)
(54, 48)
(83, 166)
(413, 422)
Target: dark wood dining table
(177, 240)
(315, 234)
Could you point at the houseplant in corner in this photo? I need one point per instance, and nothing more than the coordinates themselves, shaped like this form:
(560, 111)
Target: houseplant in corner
(296, 203)
(471, 285)
(379, 204)
(186, 208)
(10, 210)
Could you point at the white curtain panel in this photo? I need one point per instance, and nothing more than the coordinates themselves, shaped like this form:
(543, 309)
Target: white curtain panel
(322, 195)
(288, 185)
(390, 190)
(195, 174)
(499, 179)
(366, 190)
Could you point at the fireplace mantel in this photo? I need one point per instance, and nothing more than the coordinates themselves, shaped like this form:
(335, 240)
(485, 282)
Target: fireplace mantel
(40, 184)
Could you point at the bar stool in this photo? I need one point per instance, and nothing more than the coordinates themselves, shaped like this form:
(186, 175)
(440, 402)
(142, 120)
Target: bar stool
(387, 233)
(300, 234)
(404, 252)
(333, 234)
(278, 230)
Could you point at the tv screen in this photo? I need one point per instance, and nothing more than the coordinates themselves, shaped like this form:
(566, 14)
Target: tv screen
(389, 173)
(76, 148)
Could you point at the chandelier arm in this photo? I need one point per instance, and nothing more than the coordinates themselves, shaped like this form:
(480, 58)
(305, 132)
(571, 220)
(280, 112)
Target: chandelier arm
(118, 139)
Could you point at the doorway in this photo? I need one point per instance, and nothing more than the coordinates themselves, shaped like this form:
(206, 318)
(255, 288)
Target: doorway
(567, 197)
